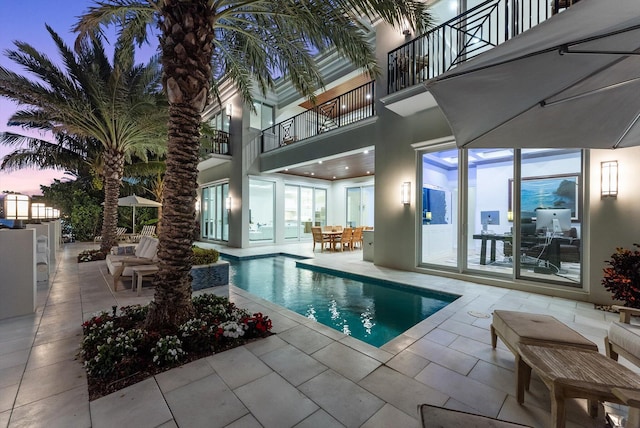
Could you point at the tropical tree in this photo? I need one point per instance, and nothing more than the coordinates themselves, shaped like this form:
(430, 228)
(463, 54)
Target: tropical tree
(93, 101)
(248, 41)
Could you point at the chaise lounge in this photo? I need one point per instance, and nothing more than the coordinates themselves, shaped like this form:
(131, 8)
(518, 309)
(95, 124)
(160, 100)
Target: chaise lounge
(121, 264)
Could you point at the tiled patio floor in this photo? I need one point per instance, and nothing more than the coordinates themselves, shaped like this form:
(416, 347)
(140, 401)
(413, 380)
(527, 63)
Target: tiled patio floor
(306, 375)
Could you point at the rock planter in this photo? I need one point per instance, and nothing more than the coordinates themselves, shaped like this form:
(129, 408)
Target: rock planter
(210, 275)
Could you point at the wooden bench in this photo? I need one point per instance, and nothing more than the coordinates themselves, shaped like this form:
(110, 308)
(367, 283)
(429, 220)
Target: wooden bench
(515, 328)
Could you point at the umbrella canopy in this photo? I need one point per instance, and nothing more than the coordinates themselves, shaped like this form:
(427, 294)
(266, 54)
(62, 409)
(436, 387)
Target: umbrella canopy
(572, 81)
(136, 201)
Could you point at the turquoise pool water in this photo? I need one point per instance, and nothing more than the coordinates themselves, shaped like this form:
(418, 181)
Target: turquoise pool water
(372, 311)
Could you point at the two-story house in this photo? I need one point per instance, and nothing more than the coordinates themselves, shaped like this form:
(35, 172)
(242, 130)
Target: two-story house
(530, 219)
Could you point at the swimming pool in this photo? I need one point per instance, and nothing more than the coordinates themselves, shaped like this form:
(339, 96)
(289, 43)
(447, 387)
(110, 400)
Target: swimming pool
(370, 310)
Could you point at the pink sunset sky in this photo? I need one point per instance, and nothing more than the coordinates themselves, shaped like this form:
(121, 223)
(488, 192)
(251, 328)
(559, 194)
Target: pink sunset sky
(24, 20)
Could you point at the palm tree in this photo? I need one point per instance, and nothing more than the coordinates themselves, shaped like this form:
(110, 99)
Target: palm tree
(248, 41)
(91, 100)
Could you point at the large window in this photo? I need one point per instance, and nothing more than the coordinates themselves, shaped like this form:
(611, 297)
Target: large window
(522, 213)
(220, 121)
(261, 210)
(262, 118)
(214, 222)
(304, 207)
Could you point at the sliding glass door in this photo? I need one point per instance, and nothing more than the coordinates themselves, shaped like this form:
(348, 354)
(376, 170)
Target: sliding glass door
(214, 219)
(304, 207)
(360, 206)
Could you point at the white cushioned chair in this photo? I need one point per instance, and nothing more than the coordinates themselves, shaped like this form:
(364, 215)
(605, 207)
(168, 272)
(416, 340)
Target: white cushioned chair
(121, 264)
(623, 338)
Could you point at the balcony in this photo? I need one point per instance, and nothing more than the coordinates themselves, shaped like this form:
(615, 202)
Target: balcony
(346, 109)
(464, 37)
(215, 144)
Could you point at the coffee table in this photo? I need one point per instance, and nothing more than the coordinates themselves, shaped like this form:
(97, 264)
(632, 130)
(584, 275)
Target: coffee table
(575, 373)
(138, 273)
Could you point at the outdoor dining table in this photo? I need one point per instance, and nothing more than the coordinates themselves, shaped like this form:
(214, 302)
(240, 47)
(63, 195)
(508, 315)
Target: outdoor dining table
(332, 235)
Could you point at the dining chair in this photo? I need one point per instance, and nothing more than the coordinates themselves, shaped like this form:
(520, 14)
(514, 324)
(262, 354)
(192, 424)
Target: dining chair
(357, 240)
(319, 238)
(345, 240)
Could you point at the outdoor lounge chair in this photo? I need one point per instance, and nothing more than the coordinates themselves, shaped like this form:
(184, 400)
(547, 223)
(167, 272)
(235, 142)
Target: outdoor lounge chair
(146, 231)
(120, 265)
(623, 338)
(120, 231)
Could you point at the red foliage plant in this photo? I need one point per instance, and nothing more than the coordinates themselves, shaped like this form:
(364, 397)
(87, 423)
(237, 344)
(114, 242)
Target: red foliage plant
(622, 277)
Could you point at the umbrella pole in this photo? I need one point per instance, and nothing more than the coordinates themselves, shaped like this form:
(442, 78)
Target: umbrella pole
(134, 219)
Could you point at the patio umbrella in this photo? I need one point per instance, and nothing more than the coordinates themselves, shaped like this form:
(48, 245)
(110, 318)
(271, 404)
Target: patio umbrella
(136, 201)
(572, 81)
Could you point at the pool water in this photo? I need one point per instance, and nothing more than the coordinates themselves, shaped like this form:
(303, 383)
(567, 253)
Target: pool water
(370, 310)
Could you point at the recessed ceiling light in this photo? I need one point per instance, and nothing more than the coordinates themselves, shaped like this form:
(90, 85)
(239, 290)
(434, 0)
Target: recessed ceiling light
(344, 106)
(286, 169)
(313, 173)
(368, 172)
(368, 96)
(319, 162)
(366, 151)
(346, 167)
(334, 177)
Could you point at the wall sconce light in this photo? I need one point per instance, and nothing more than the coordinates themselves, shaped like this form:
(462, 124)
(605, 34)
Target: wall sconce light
(428, 216)
(227, 203)
(510, 215)
(405, 193)
(609, 179)
(37, 211)
(16, 207)
(229, 108)
(406, 29)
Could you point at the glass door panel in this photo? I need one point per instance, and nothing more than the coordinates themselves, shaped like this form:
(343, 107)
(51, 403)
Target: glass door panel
(439, 228)
(291, 203)
(320, 208)
(261, 210)
(306, 212)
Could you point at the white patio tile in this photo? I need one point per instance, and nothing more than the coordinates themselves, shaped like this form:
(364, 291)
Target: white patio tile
(67, 409)
(306, 339)
(293, 365)
(320, 419)
(401, 391)
(447, 357)
(206, 402)
(272, 409)
(8, 396)
(389, 416)
(238, 366)
(50, 380)
(247, 421)
(140, 405)
(183, 375)
(349, 403)
(408, 363)
(348, 362)
(462, 388)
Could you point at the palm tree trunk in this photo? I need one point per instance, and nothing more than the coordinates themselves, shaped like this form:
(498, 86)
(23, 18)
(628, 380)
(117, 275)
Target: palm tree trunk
(186, 57)
(113, 170)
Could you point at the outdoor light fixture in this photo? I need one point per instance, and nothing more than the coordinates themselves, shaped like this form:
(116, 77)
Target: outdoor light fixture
(405, 193)
(229, 108)
(428, 216)
(510, 215)
(227, 203)
(406, 29)
(37, 211)
(609, 179)
(16, 207)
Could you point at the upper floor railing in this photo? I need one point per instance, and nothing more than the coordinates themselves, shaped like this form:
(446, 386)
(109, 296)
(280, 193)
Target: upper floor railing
(216, 144)
(343, 110)
(467, 35)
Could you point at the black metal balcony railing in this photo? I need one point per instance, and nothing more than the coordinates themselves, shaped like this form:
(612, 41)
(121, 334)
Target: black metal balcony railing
(216, 144)
(464, 37)
(348, 108)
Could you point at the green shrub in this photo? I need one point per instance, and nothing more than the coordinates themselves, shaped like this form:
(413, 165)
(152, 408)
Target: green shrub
(202, 256)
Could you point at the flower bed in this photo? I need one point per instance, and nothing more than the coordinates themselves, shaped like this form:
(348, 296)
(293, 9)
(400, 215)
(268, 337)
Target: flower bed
(118, 351)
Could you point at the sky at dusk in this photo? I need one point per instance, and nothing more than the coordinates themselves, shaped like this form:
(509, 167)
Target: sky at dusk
(25, 20)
